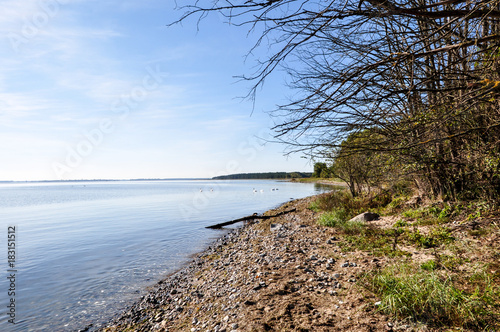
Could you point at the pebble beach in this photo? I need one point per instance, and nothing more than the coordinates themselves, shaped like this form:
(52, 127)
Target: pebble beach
(280, 274)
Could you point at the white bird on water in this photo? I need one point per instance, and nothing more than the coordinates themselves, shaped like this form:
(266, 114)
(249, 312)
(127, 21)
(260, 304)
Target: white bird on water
(254, 190)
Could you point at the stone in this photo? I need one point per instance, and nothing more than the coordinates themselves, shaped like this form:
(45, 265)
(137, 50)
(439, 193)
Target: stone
(366, 216)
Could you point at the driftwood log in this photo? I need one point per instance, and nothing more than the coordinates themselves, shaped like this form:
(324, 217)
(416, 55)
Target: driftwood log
(252, 217)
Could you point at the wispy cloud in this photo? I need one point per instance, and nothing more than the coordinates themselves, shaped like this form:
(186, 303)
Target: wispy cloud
(83, 58)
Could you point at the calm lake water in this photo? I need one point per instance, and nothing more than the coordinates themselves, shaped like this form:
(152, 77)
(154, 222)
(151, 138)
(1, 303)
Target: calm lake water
(86, 250)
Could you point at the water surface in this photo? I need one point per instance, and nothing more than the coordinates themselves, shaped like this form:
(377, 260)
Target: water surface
(86, 250)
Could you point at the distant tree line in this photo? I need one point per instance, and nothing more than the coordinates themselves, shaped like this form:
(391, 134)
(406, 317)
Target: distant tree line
(386, 91)
(264, 176)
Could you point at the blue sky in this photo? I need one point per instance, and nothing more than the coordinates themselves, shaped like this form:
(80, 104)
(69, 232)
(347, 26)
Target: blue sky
(104, 89)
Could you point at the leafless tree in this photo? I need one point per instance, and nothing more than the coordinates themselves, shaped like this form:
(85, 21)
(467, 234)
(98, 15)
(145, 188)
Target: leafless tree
(422, 76)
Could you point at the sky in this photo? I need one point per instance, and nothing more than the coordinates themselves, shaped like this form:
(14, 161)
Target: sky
(105, 90)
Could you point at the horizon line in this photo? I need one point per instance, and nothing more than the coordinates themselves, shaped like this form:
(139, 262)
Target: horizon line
(90, 180)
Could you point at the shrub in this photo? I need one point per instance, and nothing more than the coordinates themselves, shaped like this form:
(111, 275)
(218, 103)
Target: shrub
(342, 199)
(334, 218)
(338, 219)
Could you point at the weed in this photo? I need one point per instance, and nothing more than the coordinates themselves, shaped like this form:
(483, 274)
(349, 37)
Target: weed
(433, 211)
(445, 213)
(419, 295)
(334, 218)
(437, 237)
(377, 241)
(342, 199)
(400, 223)
(314, 206)
(412, 213)
(420, 239)
(442, 235)
(396, 204)
(431, 215)
(337, 219)
(429, 265)
(478, 210)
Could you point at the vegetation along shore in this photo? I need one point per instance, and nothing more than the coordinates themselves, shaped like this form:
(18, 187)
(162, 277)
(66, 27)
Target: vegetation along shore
(420, 265)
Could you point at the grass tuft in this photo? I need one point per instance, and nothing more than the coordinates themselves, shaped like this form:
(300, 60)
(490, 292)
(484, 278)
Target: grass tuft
(407, 293)
(338, 218)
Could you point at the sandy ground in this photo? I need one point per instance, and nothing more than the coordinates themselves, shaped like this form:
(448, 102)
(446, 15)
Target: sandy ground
(282, 274)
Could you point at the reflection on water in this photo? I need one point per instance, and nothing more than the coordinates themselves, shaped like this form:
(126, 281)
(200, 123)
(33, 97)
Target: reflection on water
(85, 250)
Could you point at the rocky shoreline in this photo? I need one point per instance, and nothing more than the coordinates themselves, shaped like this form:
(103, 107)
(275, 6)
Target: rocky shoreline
(281, 274)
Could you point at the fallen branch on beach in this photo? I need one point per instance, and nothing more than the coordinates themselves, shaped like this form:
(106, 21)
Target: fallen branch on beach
(252, 217)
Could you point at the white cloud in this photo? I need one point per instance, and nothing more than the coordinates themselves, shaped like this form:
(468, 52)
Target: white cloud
(20, 105)
(65, 78)
(14, 12)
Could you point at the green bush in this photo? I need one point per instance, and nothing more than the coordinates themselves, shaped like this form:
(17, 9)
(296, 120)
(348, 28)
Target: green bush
(333, 218)
(338, 219)
(314, 206)
(342, 199)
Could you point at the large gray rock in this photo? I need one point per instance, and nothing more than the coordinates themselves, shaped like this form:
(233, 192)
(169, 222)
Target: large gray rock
(366, 216)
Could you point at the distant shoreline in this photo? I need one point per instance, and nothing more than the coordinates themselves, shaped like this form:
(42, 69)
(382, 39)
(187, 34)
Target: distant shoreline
(239, 176)
(104, 180)
(264, 176)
